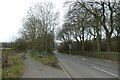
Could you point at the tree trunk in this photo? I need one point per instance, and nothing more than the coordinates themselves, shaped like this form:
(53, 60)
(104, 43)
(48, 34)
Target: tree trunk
(83, 49)
(98, 35)
(108, 42)
(94, 46)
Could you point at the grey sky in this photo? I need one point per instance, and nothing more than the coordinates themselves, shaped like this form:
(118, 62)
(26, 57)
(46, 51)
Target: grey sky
(12, 12)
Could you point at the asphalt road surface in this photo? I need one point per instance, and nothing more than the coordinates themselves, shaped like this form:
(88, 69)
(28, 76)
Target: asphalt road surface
(86, 67)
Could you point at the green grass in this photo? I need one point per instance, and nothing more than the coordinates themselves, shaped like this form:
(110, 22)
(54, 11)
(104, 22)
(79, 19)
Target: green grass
(49, 60)
(102, 55)
(14, 70)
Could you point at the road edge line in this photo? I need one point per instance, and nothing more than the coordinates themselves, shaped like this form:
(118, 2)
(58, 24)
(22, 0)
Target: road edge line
(65, 71)
(105, 71)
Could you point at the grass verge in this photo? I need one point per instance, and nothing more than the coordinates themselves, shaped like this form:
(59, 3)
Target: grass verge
(16, 67)
(48, 59)
(113, 56)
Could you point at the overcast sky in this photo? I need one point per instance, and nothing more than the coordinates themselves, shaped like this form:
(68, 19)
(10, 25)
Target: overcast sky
(12, 12)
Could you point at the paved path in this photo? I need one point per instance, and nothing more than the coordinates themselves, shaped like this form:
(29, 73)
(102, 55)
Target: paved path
(83, 67)
(35, 69)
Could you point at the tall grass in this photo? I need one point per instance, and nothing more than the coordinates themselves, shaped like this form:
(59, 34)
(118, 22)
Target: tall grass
(15, 68)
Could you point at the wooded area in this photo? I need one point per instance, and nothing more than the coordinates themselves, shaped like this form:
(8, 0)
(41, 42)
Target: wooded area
(87, 26)
(91, 26)
(38, 28)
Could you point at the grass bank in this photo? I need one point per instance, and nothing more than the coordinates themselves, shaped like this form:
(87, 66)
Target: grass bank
(46, 59)
(113, 56)
(13, 65)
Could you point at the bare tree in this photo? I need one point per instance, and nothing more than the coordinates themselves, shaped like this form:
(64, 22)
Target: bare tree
(94, 18)
(40, 22)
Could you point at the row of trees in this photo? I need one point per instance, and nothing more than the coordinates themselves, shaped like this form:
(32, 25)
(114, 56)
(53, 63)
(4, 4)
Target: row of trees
(38, 28)
(91, 21)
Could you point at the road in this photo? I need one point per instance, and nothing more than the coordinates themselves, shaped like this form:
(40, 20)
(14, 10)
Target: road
(86, 67)
(35, 69)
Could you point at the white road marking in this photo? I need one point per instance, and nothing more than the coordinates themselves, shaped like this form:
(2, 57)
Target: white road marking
(65, 71)
(84, 59)
(105, 71)
(106, 65)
